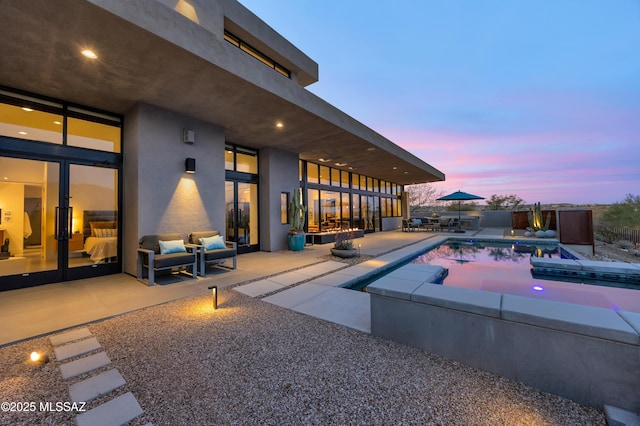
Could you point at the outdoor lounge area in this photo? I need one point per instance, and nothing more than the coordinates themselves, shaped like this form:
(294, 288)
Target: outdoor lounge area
(320, 299)
(441, 223)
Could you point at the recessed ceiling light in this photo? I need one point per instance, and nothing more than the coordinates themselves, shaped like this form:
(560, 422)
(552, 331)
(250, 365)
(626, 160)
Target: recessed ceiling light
(57, 122)
(371, 149)
(325, 160)
(340, 164)
(395, 168)
(27, 109)
(406, 173)
(23, 133)
(279, 124)
(89, 54)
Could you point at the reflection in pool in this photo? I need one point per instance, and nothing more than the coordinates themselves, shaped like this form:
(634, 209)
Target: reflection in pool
(505, 268)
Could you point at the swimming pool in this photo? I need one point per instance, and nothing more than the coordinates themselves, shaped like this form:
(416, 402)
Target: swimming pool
(505, 268)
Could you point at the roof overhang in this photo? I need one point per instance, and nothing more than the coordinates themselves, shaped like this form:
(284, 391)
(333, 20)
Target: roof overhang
(40, 41)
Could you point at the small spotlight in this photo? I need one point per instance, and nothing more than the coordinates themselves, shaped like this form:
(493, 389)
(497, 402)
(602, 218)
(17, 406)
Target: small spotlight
(38, 358)
(214, 295)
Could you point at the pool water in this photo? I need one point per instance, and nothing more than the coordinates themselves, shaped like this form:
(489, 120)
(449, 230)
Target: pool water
(505, 268)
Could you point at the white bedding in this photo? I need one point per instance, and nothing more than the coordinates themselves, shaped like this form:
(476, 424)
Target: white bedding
(101, 248)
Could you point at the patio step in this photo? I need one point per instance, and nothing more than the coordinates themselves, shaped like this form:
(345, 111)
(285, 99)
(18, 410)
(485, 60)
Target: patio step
(96, 386)
(84, 365)
(77, 348)
(118, 411)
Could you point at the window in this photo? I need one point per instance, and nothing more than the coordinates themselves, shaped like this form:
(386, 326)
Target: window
(312, 173)
(28, 117)
(324, 175)
(240, 159)
(284, 208)
(335, 177)
(237, 42)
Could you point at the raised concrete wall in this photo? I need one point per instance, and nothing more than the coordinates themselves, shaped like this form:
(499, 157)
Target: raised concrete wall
(589, 355)
(495, 219)
(159, 197)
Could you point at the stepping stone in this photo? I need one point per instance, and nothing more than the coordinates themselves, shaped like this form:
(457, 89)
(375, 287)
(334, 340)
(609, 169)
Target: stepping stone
(118, 411)
(70, 336)
(96, 386)
(78, 348)
(84, 365)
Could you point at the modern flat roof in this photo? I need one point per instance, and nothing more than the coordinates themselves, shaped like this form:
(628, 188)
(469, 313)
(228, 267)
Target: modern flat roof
(153, 54)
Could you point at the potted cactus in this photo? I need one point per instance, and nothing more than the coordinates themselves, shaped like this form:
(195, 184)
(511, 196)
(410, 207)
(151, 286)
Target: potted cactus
(297, 216)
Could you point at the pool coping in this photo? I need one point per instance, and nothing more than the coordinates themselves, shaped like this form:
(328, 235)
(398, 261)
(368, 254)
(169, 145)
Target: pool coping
(588, 354)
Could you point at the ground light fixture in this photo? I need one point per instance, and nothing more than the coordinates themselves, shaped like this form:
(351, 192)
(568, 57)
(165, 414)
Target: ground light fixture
(38, 358)
(214, 296)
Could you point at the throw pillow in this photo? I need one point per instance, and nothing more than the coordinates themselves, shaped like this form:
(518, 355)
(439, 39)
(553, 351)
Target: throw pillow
(173, 246)
(212, 243)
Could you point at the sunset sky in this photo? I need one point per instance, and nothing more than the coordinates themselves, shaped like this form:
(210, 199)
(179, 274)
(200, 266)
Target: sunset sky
(540, 99)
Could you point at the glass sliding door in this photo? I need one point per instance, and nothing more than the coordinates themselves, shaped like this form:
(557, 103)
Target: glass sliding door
(48, 214)
(93, 210)
(241, 199)
(29, 217)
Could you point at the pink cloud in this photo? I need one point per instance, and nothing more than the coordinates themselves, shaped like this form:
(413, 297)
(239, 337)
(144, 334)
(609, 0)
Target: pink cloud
(572, 167)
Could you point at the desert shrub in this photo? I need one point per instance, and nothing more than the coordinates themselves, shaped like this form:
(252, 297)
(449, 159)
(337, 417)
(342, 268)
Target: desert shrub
(624, 244)
(607, 236)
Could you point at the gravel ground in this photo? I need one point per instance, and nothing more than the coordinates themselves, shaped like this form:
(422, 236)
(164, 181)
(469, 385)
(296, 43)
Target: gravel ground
(254, 363)
(611, 253)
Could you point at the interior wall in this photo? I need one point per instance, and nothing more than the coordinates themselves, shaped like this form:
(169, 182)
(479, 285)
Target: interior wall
(165, 199)
(278, 173)
(12, 205)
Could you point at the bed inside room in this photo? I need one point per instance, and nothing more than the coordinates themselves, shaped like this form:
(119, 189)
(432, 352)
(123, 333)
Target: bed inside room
(100, 231)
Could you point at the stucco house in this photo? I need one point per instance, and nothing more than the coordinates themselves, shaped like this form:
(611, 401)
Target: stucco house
(106, 104)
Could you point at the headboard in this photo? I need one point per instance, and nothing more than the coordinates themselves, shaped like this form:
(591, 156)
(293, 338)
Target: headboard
(89, 216)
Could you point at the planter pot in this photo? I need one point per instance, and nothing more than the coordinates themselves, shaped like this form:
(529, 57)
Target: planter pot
(344, 253)
(550, 233)
(540, 234)
(296, 241)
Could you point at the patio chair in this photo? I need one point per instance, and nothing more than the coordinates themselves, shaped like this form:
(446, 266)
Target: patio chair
(444, 223)
(164, 252)
(409, 224)
(212, 249)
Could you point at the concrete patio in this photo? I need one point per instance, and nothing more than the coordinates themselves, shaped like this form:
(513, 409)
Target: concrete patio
(41, 310)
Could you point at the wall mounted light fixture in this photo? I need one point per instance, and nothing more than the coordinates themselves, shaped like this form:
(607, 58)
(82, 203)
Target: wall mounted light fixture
(190, 165)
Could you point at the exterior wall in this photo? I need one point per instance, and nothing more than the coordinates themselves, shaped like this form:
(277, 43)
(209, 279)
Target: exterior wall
(545, 353)
(495, 219)
(278, 173)
(391, 223)
(159, 197)
(203, 36)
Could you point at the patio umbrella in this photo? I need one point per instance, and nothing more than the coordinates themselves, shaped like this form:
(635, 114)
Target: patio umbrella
(460, 196)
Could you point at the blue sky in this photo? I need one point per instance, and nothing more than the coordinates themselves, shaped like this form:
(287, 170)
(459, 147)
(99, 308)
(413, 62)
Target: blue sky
(540, 99)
